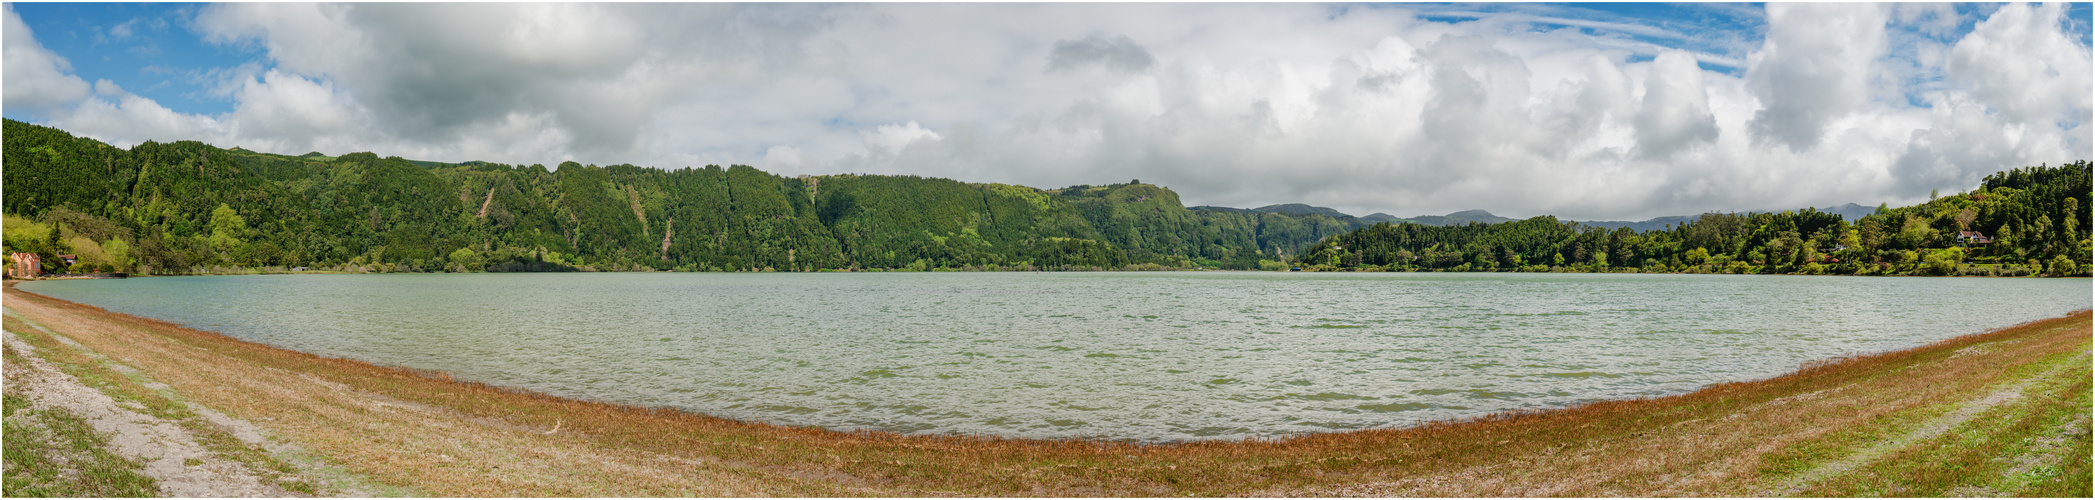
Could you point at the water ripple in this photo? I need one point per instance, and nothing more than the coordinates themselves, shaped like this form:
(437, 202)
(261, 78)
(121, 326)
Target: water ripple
(1135, 356)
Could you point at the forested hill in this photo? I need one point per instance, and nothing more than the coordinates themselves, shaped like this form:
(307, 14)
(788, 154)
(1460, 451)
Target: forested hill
(181, 207)
(2032, 220)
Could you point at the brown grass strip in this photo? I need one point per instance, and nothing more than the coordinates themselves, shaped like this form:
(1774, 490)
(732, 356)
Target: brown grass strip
(444, 437)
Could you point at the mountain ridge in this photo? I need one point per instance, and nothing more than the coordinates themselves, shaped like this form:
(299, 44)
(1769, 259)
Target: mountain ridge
(185, 206)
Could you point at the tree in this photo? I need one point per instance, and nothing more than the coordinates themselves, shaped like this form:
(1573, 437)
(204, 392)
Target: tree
(119, 253)
(1697, 256)
(227, 229)
(1944, 262)
(2071, 221)
(2040, 236)
(2065, 266)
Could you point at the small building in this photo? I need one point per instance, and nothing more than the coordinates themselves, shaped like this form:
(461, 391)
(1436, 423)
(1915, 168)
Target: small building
(69, 259)
(23, 265)
(1972, 238)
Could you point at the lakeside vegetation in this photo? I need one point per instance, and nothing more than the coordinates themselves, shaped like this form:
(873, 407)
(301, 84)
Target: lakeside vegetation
(2036, 219)
(187, 207)
(2003, 413)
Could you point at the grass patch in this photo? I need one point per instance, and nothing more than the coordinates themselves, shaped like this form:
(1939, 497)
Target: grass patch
(129, 389)
(2036, 446)
(53, 453)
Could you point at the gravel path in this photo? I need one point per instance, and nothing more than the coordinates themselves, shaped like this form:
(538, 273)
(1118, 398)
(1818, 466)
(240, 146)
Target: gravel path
(170, 453)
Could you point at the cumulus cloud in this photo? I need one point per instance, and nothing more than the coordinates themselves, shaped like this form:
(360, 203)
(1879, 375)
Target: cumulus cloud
(890, 139)
(37, 80)
(295, 113)
(2020, 63)
(1675, 113)
(130, 116)
(1814, 69)
(1527, 111)
(1115, 54)
(444, 71)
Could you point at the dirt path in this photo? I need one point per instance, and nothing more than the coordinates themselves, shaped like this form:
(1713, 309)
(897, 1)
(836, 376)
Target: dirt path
(171, 454)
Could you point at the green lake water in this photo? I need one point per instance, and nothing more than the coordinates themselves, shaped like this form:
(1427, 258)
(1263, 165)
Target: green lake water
(1127, 356)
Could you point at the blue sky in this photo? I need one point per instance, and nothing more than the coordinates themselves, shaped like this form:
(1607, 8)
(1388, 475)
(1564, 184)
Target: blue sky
(1598, 111)
(146, 48)
(152, 49)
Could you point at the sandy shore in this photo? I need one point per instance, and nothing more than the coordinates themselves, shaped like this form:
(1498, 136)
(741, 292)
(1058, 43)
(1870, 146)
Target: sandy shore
(2002, 413)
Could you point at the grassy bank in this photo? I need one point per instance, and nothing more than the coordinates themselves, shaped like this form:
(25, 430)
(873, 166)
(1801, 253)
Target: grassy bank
(1999, 413)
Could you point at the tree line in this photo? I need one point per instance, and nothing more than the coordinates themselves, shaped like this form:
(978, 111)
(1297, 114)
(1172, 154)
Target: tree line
(2019, 222)
(188, 207)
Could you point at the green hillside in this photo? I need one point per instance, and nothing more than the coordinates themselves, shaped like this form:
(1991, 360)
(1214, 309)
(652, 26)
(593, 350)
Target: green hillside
(2034, 220)
(184, 207)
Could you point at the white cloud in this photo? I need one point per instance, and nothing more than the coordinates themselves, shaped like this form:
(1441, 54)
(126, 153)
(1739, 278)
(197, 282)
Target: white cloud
(2019, 62)
(127, 119)
(1814, 69)
(1936, 19)
(36, 79)
(1362, 109)
(106, 88)
(284, 112)
(784, 159)
(1675, 113)
(890, 139)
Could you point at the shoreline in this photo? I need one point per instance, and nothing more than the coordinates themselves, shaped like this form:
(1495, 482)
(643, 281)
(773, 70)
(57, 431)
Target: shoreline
(1782, 436)
(1168, 270)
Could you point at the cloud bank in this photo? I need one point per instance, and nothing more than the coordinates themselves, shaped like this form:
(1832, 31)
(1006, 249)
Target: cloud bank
(1409, 109)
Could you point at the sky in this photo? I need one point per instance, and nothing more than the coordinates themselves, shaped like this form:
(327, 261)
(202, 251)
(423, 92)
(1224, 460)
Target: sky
(1583, 111)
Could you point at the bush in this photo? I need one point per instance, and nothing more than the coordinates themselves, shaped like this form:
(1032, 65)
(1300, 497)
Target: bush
(2065, 266)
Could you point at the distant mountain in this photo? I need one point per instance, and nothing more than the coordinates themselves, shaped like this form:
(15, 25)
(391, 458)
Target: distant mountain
(1851, 211)
(1301, 209)
(1460, 218)
(1379, 217)
(1846, 212)
(1454, 219)
(1648, 225)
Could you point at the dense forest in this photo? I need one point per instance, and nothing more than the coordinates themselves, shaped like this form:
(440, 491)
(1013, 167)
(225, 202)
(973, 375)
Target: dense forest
(188, 207)
(2032, 220)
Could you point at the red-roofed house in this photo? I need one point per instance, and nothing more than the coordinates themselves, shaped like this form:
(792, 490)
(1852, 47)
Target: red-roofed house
(1972, 238)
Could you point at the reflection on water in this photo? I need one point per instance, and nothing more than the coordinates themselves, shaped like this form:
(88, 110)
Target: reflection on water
(1143, 356)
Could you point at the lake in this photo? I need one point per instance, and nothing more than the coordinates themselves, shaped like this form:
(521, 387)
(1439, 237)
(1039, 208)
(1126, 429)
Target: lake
(1168, 356)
